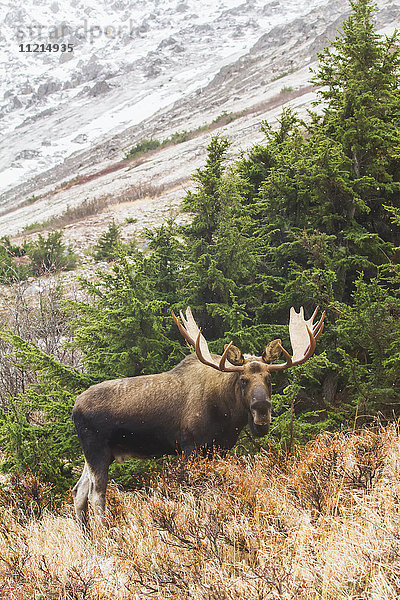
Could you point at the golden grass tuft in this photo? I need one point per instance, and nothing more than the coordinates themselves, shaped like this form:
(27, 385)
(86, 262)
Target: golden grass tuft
(324, 524)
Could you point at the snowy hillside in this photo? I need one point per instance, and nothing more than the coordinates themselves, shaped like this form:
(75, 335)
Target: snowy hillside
(130, 58)
(150, 70)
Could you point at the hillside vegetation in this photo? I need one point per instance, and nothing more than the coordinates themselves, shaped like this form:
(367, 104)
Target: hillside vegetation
(321, 524)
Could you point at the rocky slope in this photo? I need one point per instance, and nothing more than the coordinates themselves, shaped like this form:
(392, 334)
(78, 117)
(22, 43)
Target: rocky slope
(129, 60)
(246, 58)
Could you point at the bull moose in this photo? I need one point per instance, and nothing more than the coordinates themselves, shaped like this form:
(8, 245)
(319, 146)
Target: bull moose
(202, 403)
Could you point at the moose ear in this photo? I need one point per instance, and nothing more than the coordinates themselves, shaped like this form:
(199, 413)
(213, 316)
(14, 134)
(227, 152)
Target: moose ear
(235, 356)
(272, 351)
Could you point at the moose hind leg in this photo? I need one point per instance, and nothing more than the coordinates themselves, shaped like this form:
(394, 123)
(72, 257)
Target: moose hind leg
(81, 493)
(98, 484)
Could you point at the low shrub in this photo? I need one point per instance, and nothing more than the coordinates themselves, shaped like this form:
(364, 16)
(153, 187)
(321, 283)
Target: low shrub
(11, 269)
(50, 254)
(142, 147)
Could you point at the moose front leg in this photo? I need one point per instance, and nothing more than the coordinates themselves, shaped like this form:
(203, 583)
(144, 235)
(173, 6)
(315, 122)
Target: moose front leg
(204, 444)
(187, 447)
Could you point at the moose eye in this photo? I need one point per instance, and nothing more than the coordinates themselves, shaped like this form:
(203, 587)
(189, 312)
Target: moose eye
(244, 382)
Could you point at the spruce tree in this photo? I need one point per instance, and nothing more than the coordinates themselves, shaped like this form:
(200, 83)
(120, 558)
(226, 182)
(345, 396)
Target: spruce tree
(205, 206)
(108, 243)
(205, 202)
(360, 77)
(220, 256)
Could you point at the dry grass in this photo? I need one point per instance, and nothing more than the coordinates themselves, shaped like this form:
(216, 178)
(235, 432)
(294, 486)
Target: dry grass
(324, 524)
(94, 206)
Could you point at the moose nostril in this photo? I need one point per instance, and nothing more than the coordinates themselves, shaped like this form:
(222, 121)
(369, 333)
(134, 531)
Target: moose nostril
(261, 406)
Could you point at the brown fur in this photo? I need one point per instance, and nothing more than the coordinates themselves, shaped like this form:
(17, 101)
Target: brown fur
(272, 351)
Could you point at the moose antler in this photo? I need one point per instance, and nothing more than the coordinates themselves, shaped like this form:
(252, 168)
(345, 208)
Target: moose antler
(192, 334)
(303, 337)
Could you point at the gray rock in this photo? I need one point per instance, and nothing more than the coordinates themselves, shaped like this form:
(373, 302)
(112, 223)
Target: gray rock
(49, 87)
(99, 88)
(65, 57)
(119, 5)
(27, 88)
(81, 138)
(27, 154)
(16, 103)
(178, 49)
(154, 69)
(91, 70)
(142, 29)
(15, 18)
(167, 43)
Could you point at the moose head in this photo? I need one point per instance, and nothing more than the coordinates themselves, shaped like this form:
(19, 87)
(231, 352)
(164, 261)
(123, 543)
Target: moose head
(253, 382)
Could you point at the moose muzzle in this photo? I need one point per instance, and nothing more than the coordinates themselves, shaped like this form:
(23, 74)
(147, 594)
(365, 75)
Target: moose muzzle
(260, 406)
